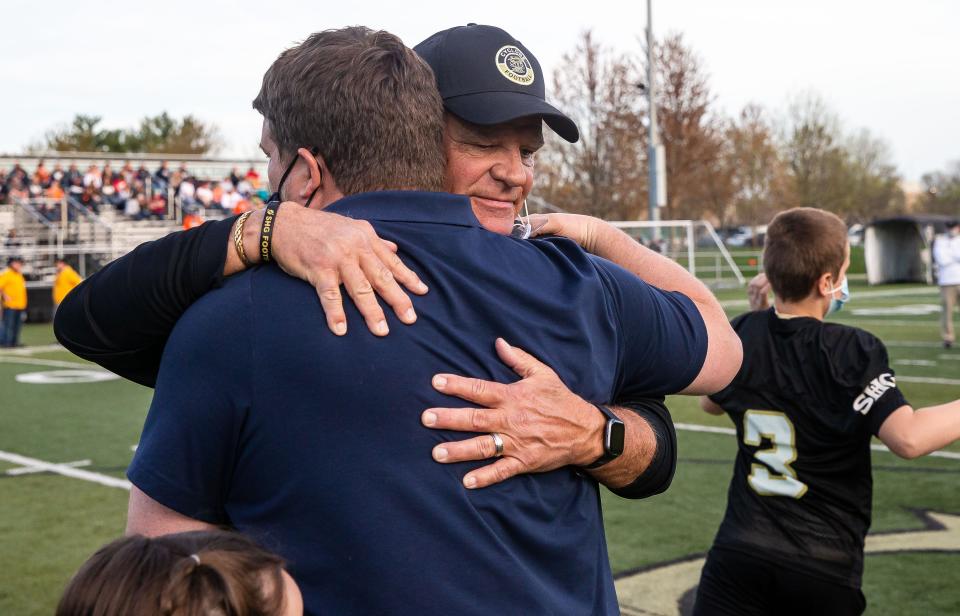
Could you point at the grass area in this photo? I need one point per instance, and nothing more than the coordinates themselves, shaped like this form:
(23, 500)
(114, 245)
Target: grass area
(49, 524)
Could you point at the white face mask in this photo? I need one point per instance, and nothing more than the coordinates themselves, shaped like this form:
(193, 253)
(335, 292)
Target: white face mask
(836, 304)
(521, 225)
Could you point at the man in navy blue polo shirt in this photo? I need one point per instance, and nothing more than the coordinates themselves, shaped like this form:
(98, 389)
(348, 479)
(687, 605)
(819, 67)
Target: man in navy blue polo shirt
(312, 443)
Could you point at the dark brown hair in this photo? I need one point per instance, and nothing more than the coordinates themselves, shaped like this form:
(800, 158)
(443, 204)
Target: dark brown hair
(140, 575)
(803, 244)
(366, 101)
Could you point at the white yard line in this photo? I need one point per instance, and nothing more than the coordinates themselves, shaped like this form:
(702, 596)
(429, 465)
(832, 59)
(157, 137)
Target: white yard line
(66, 471)
(730, 431)
(50, 363)
(929, 380)
(28, 470)
(45, 348)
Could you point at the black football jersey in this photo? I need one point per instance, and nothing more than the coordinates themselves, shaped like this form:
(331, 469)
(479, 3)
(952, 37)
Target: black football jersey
(805, 403)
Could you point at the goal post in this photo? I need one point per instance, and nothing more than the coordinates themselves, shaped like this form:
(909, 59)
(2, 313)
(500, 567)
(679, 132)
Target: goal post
(693, 244)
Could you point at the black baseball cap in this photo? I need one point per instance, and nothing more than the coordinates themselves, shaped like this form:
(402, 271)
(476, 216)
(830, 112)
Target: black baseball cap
(486, 76)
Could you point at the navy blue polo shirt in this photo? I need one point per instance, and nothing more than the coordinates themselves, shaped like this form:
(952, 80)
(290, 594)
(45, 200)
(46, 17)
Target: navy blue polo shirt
(312, 443)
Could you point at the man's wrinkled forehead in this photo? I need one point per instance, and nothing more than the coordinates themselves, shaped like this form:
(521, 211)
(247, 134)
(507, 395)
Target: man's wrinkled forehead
(529, 128)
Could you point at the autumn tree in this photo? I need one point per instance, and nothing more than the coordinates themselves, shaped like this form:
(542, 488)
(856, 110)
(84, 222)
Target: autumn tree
(942, 191)
(604, 173)
(760, 181)
(851, 175)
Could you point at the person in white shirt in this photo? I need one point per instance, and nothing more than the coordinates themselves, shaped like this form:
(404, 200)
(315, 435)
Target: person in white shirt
(946, 254)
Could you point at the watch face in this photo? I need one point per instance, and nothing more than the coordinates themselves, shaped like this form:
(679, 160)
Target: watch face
(615, 437)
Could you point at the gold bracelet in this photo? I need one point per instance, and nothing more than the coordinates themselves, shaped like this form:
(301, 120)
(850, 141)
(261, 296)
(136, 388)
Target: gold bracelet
(238, 239)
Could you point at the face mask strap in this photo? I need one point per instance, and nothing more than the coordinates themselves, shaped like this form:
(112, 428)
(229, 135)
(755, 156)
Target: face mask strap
(275, 197)
(521, 226)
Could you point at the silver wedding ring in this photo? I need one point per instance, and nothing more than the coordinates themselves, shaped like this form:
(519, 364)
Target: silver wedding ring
(497, 444)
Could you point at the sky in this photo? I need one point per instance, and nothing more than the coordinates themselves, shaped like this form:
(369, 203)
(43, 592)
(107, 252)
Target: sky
(889, 67)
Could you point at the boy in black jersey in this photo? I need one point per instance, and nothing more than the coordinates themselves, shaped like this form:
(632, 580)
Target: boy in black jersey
(806, 402)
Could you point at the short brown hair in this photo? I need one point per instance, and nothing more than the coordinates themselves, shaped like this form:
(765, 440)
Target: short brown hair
(230, 575)
(366, 101)
(802, 244)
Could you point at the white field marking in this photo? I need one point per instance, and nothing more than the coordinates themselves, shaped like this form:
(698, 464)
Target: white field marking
(950, 455)
(934, 325)
(928, 380)
(45, 348)
(65, 377)
(915, 362)
(914, 344)
(66, 471)
(658, 590)
(735, 303)
(949, 357)
(52, 363)
(27, 470)
(906, 310)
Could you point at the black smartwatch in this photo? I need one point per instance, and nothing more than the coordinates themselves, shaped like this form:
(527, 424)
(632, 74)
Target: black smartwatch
(613, 437)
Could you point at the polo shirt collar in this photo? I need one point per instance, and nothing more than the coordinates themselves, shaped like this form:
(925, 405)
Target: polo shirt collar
(407, 206)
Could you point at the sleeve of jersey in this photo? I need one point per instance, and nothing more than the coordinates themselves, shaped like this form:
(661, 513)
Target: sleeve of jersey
(122, 316)
(659, 474)
(663, 337)
(191, 438)
(861, 367)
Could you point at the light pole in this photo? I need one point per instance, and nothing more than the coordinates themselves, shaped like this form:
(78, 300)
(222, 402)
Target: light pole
(656, 159)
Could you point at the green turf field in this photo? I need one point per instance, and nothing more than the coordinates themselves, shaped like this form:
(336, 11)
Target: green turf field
(49, 522)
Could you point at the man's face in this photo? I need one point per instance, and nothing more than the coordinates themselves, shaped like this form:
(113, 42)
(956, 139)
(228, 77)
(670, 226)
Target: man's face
(493, 165)
(16, 266)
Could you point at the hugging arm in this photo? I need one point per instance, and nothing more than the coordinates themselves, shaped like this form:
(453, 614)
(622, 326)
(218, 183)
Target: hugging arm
(122, 316)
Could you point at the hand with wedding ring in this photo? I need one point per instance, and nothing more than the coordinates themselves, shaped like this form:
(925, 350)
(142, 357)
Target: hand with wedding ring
(534, 425)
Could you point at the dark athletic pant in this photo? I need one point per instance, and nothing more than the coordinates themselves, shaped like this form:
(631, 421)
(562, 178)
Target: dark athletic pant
(735, 584)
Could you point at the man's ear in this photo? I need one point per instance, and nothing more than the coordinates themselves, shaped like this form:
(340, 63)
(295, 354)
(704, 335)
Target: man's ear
(317, 169)
(825, 284)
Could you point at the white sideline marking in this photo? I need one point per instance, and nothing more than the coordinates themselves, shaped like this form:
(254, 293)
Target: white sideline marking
(52, 363)
(66, 471)
(730, 431)
(934, 325)
(915, 362)
(915, 344)
(734, 303)
(929, 380)
(950, 357)
(44, 348)
(26, 470)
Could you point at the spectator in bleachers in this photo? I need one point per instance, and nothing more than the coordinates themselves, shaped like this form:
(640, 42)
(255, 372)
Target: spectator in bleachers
(230, 197)
(253, 177)
(142, 173)
(54, 191)
(72, 173)
(41, 176)
(93, 177)
(187, 193)
(235, 177)
(12, 240)
(89, 199)
(204, 194)
(161, 176)
(57, 174)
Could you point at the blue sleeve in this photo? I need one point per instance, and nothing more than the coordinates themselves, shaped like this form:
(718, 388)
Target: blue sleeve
(189, 445)
(663, 339)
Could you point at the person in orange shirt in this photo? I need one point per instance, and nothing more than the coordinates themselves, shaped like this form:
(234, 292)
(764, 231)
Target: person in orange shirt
(13, 293)
(67, 278)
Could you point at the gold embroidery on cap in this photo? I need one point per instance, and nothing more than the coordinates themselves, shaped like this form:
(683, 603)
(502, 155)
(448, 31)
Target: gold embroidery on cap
(515, 66)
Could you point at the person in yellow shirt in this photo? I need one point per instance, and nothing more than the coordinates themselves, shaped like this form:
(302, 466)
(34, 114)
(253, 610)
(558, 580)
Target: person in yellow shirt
(13, 298)
(67, 278)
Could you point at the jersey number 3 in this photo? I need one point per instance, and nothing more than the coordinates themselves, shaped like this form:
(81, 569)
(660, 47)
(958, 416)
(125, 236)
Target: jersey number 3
(776, 427)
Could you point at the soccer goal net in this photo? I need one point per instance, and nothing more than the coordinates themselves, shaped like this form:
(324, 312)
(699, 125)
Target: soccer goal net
(695, 245)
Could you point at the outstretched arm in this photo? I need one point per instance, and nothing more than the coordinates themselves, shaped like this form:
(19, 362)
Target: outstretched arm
(913, 433)
(724, 351)
(122, 316)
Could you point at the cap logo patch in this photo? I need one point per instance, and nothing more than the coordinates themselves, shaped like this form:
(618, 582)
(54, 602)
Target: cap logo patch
(515, 66)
